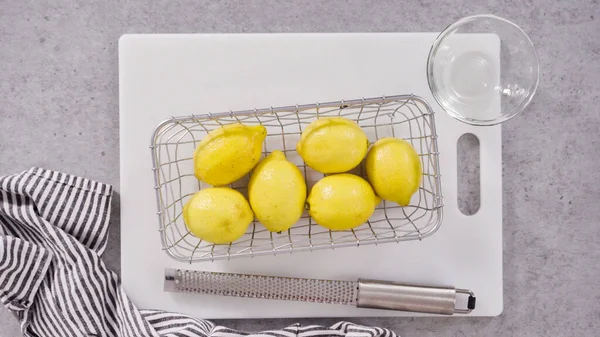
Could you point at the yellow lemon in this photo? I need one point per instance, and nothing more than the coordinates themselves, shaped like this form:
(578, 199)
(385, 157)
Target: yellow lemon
(228, 153)
(277, 192)
(341, 201)
(219, 215)
(333, 145)
(394, 170)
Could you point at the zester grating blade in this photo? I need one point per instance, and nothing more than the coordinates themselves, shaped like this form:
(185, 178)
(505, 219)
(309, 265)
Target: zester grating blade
(256, 286)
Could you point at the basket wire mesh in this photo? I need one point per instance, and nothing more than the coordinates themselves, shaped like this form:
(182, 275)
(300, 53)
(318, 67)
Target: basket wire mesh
(404, 116)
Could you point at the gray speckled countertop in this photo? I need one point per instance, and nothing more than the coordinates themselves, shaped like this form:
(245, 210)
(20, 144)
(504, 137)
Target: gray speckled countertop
(59, 110)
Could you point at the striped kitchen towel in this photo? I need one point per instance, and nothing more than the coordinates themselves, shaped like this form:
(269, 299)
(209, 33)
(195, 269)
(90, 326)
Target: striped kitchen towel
(53, 231)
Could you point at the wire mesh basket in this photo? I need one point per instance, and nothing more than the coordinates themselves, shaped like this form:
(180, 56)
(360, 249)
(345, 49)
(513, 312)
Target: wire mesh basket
(404, 116)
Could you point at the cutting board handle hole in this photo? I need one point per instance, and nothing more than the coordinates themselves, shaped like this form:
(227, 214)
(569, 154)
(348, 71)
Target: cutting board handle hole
(469, 177)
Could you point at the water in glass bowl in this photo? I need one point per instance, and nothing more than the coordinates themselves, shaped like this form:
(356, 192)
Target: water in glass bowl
(469, 81)
(483, 70)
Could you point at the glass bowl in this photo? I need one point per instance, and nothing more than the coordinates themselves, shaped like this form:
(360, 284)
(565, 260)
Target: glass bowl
(483, 70)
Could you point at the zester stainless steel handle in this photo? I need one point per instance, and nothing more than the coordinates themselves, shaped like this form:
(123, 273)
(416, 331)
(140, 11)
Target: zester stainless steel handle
(411, 297)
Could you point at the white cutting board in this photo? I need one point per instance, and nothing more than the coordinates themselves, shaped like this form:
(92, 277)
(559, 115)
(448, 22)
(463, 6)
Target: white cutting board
(168, 75)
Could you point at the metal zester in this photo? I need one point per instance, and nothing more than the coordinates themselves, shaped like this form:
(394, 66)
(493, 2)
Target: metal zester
(362, 293)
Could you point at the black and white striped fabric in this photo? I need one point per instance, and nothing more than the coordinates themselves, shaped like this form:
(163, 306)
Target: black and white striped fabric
(53, 231)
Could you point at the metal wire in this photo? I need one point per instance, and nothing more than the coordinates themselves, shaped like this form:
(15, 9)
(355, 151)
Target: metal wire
(405, 116)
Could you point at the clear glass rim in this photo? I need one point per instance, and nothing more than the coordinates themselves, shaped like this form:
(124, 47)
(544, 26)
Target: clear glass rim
(449, 109)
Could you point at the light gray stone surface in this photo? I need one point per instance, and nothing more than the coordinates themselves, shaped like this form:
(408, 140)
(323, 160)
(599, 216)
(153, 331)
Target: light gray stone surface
(59, 110)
